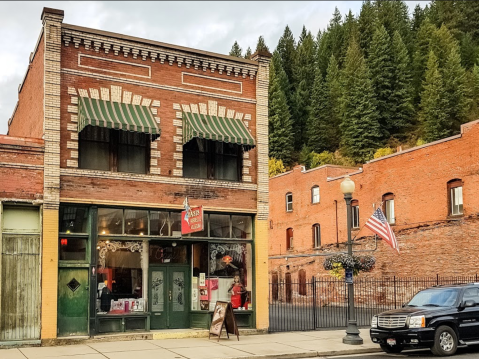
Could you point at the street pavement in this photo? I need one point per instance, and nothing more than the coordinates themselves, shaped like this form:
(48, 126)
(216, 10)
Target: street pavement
(288, 345)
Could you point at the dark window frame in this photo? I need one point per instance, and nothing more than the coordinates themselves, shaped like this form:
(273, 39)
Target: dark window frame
(289, 202)
(289, 238)
(212, 156)
(354, 214)
(387, 197)
(116, 141)
(452, 185)
(316, 230)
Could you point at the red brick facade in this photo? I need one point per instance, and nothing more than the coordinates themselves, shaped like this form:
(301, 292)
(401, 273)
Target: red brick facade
(430, 240)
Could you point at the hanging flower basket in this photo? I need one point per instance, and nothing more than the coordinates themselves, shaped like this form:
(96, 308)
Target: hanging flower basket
(337, 264)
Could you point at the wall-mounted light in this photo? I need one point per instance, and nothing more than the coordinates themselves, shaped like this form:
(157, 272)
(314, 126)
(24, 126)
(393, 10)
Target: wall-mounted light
(173, 244)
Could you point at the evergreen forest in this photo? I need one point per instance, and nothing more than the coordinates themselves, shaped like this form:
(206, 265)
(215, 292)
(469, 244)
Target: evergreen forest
(372, 83)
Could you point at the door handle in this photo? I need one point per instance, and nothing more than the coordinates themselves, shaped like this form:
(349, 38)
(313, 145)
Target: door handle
(169, 295)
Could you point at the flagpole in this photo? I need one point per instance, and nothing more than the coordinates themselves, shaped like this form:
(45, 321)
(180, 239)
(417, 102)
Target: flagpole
(352, 332)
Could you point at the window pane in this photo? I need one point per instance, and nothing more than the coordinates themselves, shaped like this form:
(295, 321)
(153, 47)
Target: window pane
(230, 274)
(390, 211)
(73, 219)
(226, 161)
(355, 216)
(289, 202)
(200, 265)
(120, 280)
(95, 148)
(160, 254)
(159, 223)
(456, 200)
(21, 219)
(131, 159)
(315, 195)
(110, 221)
(136, 222)
(175, 222)
(242, 227)
(220, 225)
(195, 159)
(72, 249)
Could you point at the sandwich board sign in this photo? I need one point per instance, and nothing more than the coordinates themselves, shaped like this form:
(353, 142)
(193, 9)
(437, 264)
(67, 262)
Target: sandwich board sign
(223, 316)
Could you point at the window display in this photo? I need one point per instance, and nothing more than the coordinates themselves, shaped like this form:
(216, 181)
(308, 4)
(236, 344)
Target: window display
(228, 277)
(136, 222)
(110, 221)
(120, 277)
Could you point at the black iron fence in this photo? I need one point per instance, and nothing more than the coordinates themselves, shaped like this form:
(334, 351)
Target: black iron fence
(323, 302)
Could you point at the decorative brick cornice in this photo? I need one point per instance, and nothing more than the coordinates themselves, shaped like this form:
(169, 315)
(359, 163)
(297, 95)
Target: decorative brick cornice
(97, 42)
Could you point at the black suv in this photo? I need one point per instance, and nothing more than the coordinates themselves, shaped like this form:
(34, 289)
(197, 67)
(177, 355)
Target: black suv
(439, 318)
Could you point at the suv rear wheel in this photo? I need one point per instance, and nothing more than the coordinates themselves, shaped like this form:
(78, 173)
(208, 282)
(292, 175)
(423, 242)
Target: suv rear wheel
(445, 341)
(391, 348)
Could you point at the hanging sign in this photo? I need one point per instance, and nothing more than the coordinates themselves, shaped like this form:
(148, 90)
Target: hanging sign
(349, 276)
(192, 220)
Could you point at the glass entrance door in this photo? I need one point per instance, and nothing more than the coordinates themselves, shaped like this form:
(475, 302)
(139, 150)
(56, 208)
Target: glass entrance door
(169, 297)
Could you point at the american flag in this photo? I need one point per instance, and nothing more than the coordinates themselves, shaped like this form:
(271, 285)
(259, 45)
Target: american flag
(379, 225)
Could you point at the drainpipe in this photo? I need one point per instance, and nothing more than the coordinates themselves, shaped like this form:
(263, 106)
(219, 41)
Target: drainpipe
(337, 233)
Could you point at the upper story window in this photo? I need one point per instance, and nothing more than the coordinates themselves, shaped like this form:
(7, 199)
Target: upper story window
(388, 208)
(114, 150)
(315, 194)
(454, 188)
(212, 160)
(316, 235)
(289, 238)
(355, 214)
(289, 202)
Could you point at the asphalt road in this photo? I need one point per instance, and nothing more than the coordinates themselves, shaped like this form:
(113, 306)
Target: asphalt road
(462, 353)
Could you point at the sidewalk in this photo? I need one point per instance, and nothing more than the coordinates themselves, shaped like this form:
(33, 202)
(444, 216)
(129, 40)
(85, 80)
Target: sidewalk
(262, 346)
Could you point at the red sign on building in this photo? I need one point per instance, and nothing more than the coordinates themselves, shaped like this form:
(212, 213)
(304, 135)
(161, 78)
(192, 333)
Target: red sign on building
(192, 220)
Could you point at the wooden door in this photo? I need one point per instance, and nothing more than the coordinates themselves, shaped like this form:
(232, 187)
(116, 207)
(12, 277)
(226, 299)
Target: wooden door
(20, 288)
(288, 288)
(73, 299)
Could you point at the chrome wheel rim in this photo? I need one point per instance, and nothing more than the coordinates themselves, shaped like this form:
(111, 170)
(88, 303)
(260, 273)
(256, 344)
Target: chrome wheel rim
(446, 341)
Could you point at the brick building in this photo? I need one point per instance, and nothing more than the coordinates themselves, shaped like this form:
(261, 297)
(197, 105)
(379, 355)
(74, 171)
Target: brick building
(429, 194)
(110, 135)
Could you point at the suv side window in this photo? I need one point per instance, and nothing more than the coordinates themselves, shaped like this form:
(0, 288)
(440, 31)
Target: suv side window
(471, 294)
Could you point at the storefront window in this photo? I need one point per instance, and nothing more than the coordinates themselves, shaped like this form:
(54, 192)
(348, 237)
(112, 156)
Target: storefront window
(159, 254)
(220, 226)
(230, 276)
(73, 219)
(120, 277)
(242, 227)
(136, 222)
(72, 249)
(175, 220)
(110, 221)
(200, 273)
(159, 223)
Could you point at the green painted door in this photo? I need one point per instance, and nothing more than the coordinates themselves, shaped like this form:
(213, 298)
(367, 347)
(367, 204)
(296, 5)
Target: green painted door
(169, 297)
(73, 295)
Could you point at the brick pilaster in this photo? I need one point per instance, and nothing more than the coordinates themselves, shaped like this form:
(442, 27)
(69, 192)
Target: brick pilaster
(261, 228)
(52, 23)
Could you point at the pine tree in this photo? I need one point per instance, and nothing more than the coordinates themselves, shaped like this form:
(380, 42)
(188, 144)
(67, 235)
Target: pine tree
(324, 52)
(393, 15)
(381, 69)
(281, 138)
(421, 55)
(457, 95)
(276, 71)
(287, 52)
(433, 115)
(367, 23)
(418, 17)
(261, 45)
(333, 87)
(402, 108)
(469, 18)
(350, 32)
(247, 54)
(336, 32)
(304, 77)
(236, 50)
(441, 44)
(318, 123)
(446, 13)
(468, 51)
(360, 129)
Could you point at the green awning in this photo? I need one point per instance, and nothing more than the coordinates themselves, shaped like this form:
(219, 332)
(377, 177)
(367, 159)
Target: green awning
(116, 115)
(215, 128)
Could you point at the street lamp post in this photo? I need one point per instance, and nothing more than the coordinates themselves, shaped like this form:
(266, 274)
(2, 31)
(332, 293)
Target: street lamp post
(352, 332)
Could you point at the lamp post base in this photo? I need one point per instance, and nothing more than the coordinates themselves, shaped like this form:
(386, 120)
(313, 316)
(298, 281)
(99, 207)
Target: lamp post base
(352, 335)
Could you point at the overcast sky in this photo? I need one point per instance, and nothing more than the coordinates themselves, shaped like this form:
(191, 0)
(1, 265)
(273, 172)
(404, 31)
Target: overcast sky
(211, 26)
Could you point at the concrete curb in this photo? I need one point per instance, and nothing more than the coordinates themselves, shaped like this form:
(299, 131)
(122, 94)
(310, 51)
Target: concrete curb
(312, 354)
